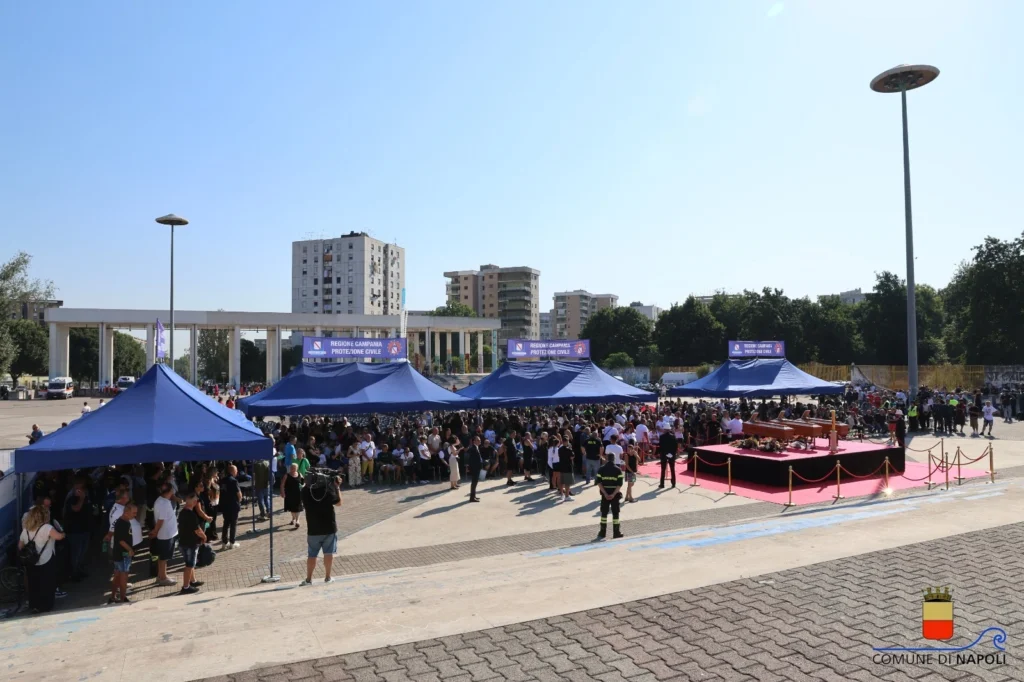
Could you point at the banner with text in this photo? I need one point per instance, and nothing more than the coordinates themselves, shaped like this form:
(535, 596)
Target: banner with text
(757, 349)
(317, 347)
(528, 348)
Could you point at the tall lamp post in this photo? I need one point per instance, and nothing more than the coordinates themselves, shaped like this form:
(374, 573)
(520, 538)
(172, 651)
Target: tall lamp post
(901, 79)
(173, 221)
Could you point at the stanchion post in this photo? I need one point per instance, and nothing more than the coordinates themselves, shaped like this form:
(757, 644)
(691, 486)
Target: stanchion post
(696, 460)
(931, 457)
(959, 477)
(945, 467)
(790, 502)
(887, 472)
(728, 471)
(839, 490)
(991, 465)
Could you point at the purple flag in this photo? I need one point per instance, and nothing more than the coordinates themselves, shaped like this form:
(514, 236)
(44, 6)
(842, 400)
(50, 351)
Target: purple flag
(161, 342)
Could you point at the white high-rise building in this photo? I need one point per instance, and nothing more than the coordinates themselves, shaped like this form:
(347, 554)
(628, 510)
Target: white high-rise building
(353, 274)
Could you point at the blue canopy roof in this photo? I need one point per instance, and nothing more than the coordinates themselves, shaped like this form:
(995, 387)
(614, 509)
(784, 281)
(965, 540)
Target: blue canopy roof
(554, 382)
(351, 388)
(760, 378)
(162, 418)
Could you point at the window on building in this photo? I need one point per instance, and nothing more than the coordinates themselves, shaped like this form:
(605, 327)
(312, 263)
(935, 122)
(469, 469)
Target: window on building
(337, 280)
(316, 280)
(305, 292)
(304, 248)
(316, 259)
(338, 290)
(350, 256)
(316, 247)
(315, 292)
(350, 279)
(350, 291)
(305, 305)
(350, 247)
(303, 261)
(304, 271)
(350, 302)
(349, 311)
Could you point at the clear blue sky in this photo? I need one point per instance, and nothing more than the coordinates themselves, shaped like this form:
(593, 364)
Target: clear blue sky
(650, 149)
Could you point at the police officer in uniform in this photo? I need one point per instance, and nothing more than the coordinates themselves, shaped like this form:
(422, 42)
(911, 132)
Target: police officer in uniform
(609, 479)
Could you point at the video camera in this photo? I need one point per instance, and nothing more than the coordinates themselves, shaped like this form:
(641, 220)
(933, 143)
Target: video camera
(321, 477)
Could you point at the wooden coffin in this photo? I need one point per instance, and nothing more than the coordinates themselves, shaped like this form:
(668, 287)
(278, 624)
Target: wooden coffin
(802, 428)
(768, 430)
(842, 429)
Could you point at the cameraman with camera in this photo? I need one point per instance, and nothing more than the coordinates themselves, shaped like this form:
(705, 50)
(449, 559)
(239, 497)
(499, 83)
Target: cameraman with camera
(320, 495)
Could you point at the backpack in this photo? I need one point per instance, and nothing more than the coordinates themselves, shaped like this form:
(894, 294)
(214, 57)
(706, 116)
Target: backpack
(29, 554)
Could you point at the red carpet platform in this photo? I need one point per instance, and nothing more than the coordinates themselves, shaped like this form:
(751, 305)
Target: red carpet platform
(772, 468)
(913, 477)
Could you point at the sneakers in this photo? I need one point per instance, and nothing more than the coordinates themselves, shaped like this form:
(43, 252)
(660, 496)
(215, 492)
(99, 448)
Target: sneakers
(196, 583)
(235, 546)
(166, 582)
(60, 594)
(305, 582)
(189, 590)
(328, 580)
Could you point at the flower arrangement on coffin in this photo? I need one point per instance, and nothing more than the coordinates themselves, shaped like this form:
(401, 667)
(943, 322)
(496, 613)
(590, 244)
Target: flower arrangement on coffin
(771, 445)
(748, 443)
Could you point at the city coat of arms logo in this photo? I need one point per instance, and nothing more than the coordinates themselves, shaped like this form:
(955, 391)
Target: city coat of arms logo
(394, 348)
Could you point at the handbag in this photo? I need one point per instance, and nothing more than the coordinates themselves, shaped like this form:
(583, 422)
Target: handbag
(205, 555)
(483, 474)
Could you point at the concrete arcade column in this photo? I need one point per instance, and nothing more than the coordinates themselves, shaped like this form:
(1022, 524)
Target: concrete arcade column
(494, 349)
(428, 349)
(59, 365)
(480, 352)
(464, 350)
(150, 345)
(193, 355)
(436, 354)
(235, 357)
(272, 351)
(447, 346)
(107, 356)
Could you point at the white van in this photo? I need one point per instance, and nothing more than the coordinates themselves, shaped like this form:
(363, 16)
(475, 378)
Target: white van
(60, 387)
(124, 383)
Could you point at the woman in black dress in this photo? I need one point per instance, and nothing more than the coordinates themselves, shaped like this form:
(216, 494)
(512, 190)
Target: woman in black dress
(565, 469)
(528, 450)
(291, 491)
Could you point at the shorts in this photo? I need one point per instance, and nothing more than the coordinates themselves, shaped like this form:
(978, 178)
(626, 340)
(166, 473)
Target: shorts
(630, 477)
(123, 565)
(567, 478)
(190, 554)
(163, 549)
(314, 543)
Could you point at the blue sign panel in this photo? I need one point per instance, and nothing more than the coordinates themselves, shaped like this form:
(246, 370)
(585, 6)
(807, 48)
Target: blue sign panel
(757, 349)
(341, 347)
(572, 349)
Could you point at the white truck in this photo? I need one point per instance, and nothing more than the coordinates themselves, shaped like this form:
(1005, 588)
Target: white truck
(124, 383)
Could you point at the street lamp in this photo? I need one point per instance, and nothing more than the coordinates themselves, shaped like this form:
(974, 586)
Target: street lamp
(173, 221)
(900, 79)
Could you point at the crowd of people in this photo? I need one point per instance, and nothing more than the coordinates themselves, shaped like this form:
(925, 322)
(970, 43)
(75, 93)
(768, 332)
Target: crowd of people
(191, 506)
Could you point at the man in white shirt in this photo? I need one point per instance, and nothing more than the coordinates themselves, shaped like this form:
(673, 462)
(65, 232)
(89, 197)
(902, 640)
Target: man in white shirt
(368, 453)
(608, 432)
(988, 413)
(735, 426)
(85, 408)
(424, 452)
(614, 450)
(164, 532)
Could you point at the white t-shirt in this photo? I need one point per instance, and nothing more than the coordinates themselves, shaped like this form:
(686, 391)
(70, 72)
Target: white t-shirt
(367, 449)
(735, 426)
(41, 537)
(163, 510)
(641, 431)
(608, 431)
(553, 456)
(988, 412)
(86, 409)
(424, 451)
(615, 451)
(115, 514)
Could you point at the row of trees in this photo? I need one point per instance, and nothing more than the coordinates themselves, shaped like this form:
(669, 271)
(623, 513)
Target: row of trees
(977, 319)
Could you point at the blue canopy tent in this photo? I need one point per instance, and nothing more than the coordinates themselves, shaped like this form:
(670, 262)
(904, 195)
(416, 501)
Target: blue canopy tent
(760, 378)
(351, 388)
(554, 382)
(162, 418)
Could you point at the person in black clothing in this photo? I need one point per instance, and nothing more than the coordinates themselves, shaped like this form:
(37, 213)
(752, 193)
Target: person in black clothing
(511, 456)
(609, 480)
(528, 454)
(668, 447)
(77, 526)
(230, 506)
(487, 453)
(474, 464)
(901, 429)
(319, 498)
(190, 536)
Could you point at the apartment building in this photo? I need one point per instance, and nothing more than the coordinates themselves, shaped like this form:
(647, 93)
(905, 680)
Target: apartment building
(353, 274)
(651, 312)
(547, 329)
(510, 294)
(574, 308)
(34, 310)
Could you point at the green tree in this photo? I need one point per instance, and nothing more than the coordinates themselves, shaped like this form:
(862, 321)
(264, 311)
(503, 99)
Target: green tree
(729, 309)
(649, 355)
(31, 344)
(290, 358)
(831, 329)
(84, 354)
(453, 309)
(129, 356)
(253, 362)
(689, 334)
(183, 366)
(212, 353)
(617, 361)
(984, 304)
(883, 323)
(616, 330)
(16, 286)
(771, 316)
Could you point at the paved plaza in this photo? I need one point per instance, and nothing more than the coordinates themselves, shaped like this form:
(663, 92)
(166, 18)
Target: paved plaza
(704, 586)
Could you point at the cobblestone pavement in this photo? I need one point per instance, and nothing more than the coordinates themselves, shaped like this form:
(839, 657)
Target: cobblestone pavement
(818, 622)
